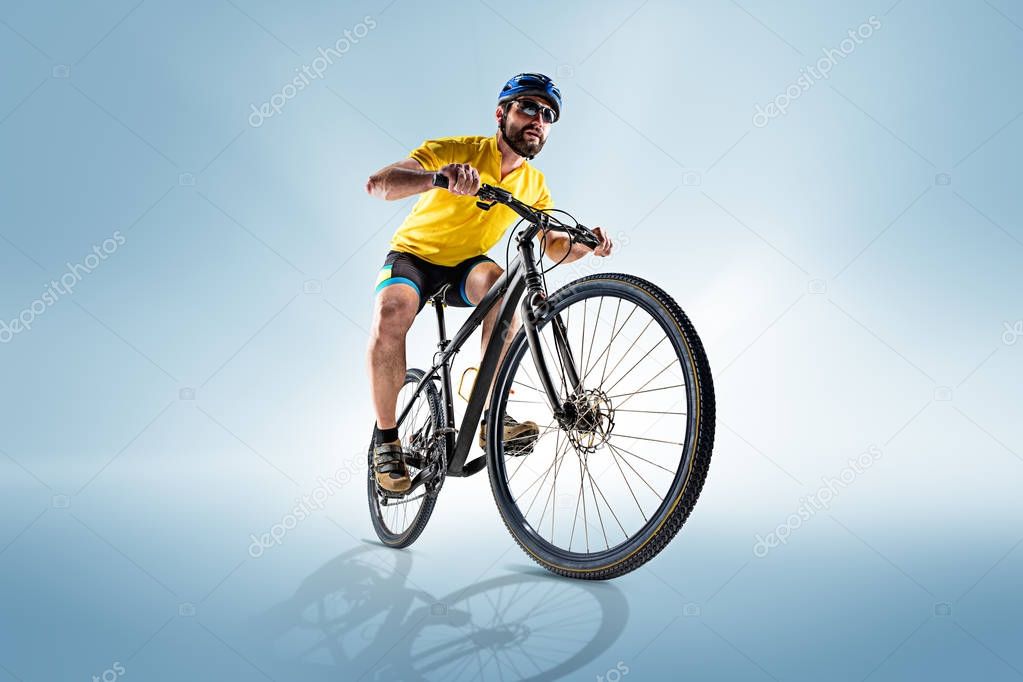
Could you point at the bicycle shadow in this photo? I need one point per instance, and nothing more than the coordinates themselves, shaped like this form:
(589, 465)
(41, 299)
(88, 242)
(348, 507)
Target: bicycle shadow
(360, 615)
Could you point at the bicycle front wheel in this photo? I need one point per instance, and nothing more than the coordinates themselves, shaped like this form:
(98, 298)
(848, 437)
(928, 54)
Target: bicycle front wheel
(614, 474)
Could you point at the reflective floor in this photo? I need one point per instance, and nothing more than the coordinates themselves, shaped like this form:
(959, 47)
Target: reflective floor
(214, 589)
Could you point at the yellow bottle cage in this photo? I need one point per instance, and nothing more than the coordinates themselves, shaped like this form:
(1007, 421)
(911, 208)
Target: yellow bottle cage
(461, 382)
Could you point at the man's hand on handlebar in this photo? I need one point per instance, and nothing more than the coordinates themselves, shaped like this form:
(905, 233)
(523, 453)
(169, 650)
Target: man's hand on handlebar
(605, 246)
(562, 247)
(462, 178)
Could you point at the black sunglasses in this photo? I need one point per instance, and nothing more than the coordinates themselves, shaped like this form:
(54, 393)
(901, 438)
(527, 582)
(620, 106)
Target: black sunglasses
(531, 109)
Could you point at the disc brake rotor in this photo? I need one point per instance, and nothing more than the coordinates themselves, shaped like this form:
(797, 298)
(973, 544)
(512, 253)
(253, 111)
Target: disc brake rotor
(590, 420)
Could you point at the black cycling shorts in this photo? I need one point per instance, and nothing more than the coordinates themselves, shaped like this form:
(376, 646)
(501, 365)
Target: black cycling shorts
(427, 278)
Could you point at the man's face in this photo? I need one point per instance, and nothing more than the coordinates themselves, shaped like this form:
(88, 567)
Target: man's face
(526, 135)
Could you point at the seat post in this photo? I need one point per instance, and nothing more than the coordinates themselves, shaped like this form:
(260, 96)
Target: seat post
(438, 304)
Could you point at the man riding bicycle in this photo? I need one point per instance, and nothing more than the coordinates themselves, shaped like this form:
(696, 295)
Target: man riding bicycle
(443, 242)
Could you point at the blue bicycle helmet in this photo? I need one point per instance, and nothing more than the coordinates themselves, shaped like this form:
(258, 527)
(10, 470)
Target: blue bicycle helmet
(535, 84)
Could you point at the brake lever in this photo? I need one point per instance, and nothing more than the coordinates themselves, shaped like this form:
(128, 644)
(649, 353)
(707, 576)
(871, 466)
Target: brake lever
(485, 192)
(490, 195)
(589, 239)
(494, 193)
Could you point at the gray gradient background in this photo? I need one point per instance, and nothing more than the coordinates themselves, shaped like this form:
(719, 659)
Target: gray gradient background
(853, 268)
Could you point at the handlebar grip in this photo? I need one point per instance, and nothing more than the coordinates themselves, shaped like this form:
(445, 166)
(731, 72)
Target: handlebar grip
(440, 180)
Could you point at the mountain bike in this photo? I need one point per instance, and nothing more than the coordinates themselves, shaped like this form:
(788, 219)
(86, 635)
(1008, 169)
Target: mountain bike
(613, 373)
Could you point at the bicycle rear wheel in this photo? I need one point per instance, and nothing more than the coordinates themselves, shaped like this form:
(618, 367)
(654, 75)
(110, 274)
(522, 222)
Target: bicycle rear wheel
(400, 519)
(610, 481)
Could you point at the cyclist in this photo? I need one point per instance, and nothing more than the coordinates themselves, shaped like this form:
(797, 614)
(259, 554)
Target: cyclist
(444, 240)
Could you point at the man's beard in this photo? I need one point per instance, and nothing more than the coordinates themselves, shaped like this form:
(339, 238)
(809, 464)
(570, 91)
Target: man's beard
(520, 144)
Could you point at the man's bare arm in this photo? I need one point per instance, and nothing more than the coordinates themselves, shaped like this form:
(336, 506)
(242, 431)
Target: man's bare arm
(407, 177)
(399, 180)
(560, 248)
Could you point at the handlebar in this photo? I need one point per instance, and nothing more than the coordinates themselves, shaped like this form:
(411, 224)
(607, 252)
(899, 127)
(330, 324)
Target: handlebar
(489, 193)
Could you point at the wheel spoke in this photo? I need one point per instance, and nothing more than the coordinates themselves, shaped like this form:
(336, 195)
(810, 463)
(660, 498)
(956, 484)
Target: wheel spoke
(628, 485)
(582, 340)
(607, 357)
(582, 494)
(593, 485)
(555, 464)
(605, 353)
(554, 485)
(586, 362)
(663, 370)
(619, 448)
(531, 388)
(653, 412)
(652, 489)
(596, 505)
(641, 359)
(649, 390)
(564, 385)
(550, 497)
(523, 460)
(655, 440)
(548, 470)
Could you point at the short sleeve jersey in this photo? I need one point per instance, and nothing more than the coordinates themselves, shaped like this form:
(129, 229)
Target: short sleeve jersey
(445, 228)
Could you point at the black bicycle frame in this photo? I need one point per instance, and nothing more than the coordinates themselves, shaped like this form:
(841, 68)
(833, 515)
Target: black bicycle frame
(523, 276)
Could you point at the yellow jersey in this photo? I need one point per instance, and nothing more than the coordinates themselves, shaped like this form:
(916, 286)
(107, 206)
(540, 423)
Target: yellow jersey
(445, 228)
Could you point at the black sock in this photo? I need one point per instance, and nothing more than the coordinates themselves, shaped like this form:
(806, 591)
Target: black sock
(385, 435)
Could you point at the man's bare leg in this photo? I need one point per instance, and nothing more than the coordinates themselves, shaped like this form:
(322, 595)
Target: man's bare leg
(477, 284)
(480, 279)
(393, 313)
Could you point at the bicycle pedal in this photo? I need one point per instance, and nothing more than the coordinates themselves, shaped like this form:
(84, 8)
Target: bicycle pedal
(389, 495)
(386, 495)
(519, 449)
(415, 460)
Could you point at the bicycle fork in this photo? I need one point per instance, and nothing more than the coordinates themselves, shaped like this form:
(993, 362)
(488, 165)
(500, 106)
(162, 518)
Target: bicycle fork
(533, 305)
